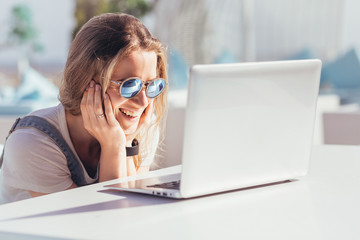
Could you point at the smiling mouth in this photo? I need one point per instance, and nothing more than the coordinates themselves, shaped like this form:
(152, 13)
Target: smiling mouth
(129, 113)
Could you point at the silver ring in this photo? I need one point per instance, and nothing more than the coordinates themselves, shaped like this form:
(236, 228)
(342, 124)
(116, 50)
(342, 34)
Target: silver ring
(100, 116)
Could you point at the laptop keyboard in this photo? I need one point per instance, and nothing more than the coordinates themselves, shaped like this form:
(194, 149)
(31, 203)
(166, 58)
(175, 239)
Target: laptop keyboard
(168, 185)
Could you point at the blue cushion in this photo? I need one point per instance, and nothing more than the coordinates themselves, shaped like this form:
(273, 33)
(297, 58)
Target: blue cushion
(344, 72)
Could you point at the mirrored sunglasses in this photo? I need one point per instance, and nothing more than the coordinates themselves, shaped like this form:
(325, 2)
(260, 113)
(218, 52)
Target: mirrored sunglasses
(131, 87)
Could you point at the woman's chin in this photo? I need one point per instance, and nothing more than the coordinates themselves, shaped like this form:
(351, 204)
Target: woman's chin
(128, 127)
(129, 133)
(129, 130)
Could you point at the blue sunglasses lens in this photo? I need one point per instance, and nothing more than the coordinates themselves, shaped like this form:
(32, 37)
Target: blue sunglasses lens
(131, 87)
(155, 88)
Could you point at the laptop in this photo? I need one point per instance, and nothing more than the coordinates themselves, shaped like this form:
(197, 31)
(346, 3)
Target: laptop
(246, 124)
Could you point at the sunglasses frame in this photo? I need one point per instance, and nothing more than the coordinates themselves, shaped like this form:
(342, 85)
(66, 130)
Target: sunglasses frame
(146, 85)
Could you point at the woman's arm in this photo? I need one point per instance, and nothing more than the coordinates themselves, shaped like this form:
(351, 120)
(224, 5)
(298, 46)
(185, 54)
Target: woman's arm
(143, 169)
(38, 194)
(107, 131)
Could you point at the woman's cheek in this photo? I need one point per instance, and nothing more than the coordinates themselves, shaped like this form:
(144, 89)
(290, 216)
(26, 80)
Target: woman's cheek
(116, 100)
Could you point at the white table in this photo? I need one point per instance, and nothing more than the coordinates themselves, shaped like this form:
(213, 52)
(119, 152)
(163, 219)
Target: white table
(323, 205)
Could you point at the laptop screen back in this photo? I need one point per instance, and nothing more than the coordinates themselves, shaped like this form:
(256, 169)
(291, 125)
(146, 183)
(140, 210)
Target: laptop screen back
(248, 124)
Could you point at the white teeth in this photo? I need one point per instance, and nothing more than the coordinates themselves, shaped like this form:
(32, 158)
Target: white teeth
(130, 114)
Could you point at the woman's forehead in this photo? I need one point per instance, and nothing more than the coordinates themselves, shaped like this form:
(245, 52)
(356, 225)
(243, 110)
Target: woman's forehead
(136, 64)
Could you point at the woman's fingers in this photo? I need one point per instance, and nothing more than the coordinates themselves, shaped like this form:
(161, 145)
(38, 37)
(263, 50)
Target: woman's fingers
(98, 108)
(149, 112)
(90, 100)
(91, 107)
(94, 103)
(147, 115)
(83, 106)
(109, 111)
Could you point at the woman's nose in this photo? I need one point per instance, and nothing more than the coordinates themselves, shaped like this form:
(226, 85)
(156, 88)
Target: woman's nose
(141, 99)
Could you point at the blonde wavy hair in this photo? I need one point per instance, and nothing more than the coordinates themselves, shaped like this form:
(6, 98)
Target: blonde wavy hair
(97, 47)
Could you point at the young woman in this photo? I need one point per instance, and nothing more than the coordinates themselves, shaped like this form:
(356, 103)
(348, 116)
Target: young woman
(113, 99)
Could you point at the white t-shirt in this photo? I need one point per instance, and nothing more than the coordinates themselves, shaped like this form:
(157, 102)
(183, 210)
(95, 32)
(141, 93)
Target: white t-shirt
(32, 161)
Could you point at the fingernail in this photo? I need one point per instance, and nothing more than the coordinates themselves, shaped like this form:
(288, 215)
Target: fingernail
(92, 83)
(97, 87)
(105, 96)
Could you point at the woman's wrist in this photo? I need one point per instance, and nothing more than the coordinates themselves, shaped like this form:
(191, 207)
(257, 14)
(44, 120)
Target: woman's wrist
(113, 163)
(130, 151)
(134, 149)
(111, 143)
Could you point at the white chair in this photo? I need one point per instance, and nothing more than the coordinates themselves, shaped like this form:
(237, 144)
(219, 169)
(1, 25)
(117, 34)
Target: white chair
(342, 127)
(325, 103)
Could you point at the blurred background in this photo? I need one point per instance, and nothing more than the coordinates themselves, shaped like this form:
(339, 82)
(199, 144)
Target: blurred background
(36, 35)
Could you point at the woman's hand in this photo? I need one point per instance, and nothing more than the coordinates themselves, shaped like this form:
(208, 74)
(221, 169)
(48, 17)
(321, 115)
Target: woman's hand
(101, 124)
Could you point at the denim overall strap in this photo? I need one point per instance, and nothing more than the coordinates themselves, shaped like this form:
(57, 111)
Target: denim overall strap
(77, 173)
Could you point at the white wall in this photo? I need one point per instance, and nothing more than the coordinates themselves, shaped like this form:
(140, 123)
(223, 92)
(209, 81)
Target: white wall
(280, 28)
(351, 30)
(285, 27)
(54, 20)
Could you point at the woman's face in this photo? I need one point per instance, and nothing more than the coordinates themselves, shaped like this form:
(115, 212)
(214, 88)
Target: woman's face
(128, 112)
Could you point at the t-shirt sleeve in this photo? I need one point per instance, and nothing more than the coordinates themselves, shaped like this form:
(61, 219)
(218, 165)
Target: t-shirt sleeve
(149, 157)
(32, 161)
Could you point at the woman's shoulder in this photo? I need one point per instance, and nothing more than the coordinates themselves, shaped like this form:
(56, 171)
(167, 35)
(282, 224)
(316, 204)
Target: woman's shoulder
(51, 114)
(33, 161)
(28, 142)
(55, 116)
(28, 148)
